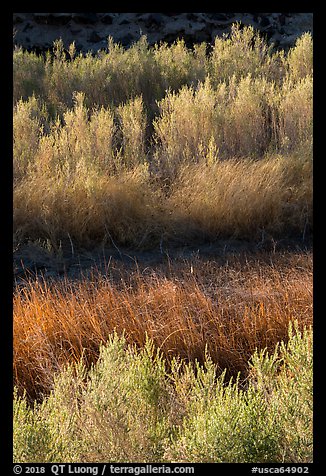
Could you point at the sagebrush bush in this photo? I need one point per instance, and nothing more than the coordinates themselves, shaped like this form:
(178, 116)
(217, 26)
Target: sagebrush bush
(30, 122)
(296, 114)
(129, 407)
(116, 75)
(248, 128)
(28, 74)
(225, 423)
(187, 122)
(245, 118)
(300, 58)
(152, 114)
(133, 128)
(179, 65)
(243, 52)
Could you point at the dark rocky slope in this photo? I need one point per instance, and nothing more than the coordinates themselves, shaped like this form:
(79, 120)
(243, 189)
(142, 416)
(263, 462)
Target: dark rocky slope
(37, 31)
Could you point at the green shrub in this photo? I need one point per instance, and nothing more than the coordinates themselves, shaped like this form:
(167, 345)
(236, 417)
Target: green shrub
(118, 416)
(269, 421)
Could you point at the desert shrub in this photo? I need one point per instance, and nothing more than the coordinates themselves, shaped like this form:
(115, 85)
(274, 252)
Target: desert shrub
(30, 122)
(106, 78)
(300, 58)
(119, 415)
(127, 396)
(296, 114)
(133, 130)
(247, 129)
(78, 171)
(116, 75)
(295, 400)
(81, 137)
(133, 72)
(109, 114)
(178, 65)
(130, 407)
(225, 423)
(43, 430)
(85, 137)
(244, 118)
(28, 74)
(185, 127)
(243, 52)
(103, 142)
(60, 81)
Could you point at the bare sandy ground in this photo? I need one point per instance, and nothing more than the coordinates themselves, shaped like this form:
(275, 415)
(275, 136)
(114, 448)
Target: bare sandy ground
(33, 260)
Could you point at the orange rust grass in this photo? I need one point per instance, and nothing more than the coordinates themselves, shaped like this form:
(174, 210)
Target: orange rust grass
(230, 310)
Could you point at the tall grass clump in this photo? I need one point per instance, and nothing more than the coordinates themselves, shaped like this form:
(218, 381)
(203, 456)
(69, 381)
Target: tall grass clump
(230, 310)
(242, 198)
(87, 207)
(131, 407)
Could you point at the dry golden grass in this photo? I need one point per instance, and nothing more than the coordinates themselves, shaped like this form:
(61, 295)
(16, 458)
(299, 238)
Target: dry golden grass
(230, 198)
(242, 198)
(228, 310)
